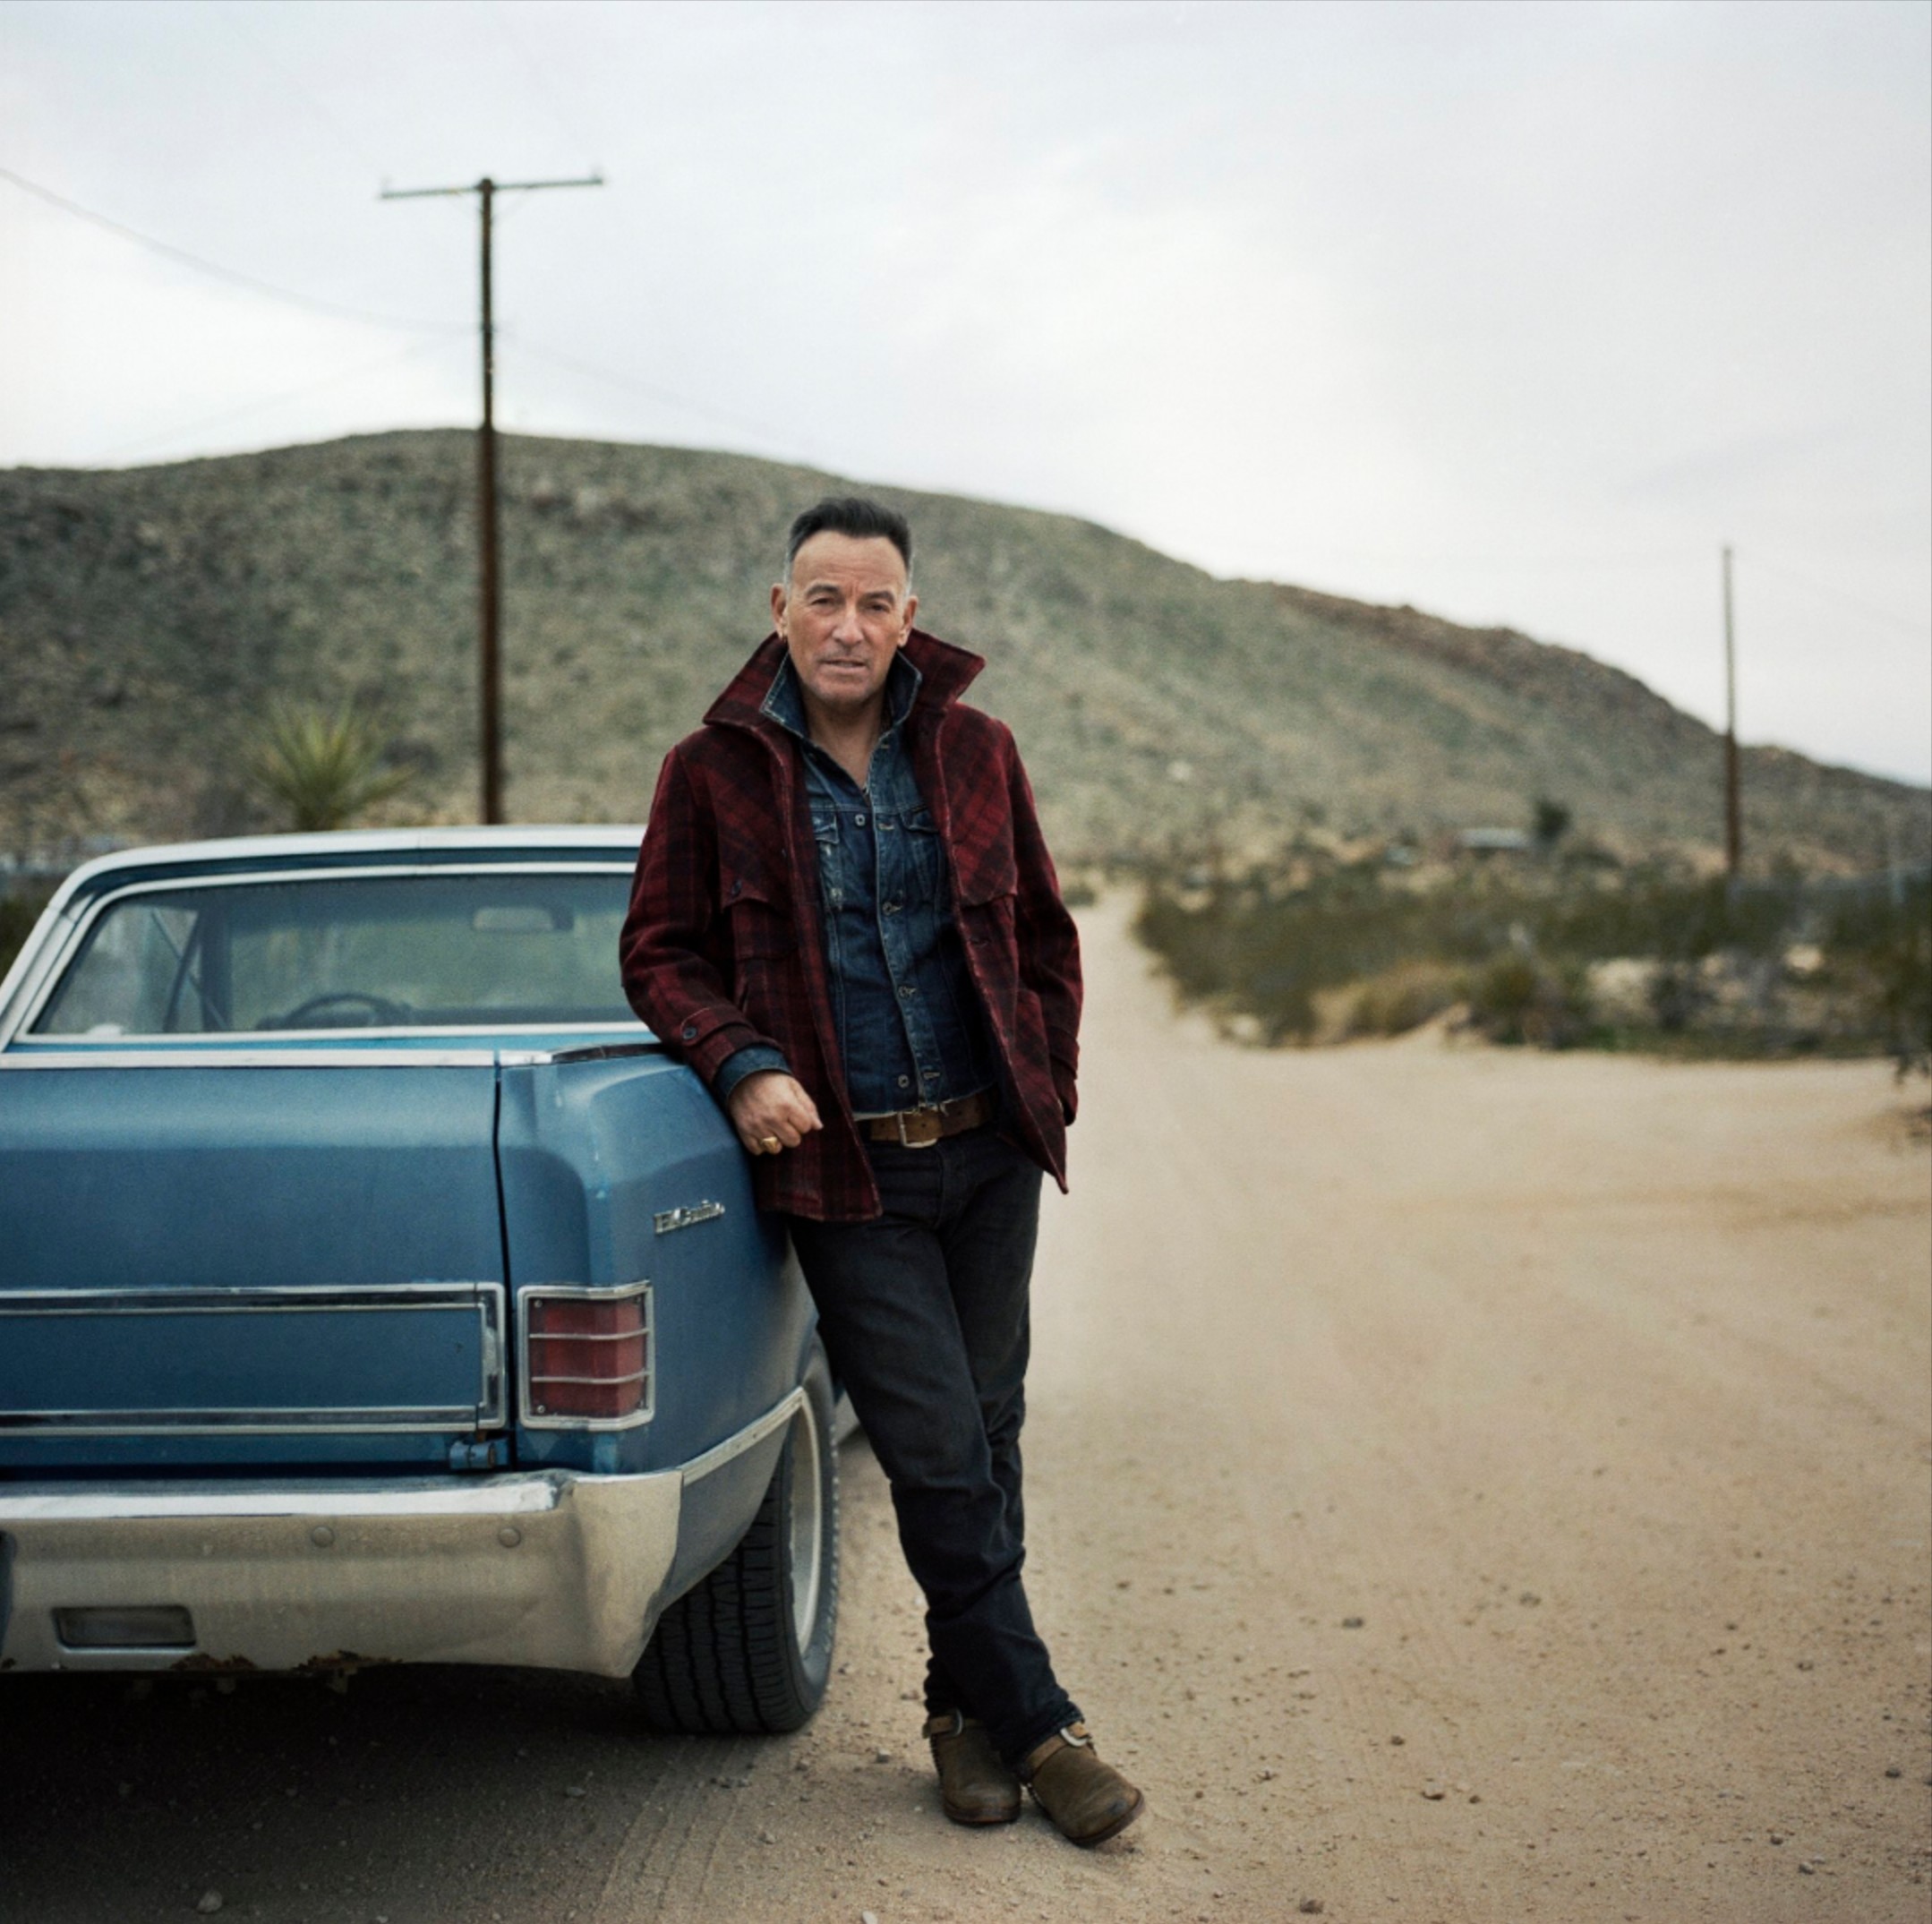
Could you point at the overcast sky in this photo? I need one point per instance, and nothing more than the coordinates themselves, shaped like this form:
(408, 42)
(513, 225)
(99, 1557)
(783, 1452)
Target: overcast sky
(1512, 311)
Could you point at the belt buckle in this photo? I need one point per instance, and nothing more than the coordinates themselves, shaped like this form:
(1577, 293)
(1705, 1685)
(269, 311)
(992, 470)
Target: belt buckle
(923, 1142)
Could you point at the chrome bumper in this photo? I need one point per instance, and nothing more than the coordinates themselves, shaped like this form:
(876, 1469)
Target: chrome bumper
(554, 1569)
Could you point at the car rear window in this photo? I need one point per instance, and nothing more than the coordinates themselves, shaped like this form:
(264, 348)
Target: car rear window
(392, 951)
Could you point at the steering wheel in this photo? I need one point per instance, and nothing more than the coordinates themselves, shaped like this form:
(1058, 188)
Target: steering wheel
(380, 1008)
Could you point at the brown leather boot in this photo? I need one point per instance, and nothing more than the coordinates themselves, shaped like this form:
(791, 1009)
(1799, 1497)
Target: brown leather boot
(974, 1786)
(1090, 1801)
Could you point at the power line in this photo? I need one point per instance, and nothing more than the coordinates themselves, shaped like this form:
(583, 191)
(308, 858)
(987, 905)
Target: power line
(411, 352)
(1917, 629)
(334, 310)
(771, 436)
(534, 77)
(1640, 557)
(236, 21)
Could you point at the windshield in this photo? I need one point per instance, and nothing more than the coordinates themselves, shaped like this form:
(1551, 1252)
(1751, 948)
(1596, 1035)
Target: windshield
(395, 952)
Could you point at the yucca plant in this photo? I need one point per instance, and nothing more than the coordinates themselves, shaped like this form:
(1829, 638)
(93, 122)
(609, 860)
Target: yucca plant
(324, 767)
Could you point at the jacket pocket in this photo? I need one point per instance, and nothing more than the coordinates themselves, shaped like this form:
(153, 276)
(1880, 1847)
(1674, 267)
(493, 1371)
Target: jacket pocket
(985, 871)
(760, 924)
(924, 853)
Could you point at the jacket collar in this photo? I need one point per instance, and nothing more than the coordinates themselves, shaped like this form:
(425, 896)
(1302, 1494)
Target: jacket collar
(946, 672)
(786, 703)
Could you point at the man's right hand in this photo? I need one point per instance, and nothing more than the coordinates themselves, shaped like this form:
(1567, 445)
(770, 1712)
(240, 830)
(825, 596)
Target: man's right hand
(772, 1111)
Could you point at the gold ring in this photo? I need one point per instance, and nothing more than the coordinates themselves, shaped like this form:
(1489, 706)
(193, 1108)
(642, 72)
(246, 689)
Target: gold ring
(771, 1145)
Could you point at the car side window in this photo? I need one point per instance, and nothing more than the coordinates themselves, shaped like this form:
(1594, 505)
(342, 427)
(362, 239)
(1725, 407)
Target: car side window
(139, 974)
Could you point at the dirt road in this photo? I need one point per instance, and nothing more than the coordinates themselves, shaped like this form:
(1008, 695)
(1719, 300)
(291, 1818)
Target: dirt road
(1465, 1486)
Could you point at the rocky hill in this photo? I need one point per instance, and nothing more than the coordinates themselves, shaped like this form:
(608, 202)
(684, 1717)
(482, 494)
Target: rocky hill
(147, 616)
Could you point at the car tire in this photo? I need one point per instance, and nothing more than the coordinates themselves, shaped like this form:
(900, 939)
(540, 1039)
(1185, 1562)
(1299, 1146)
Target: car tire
(747, 1651)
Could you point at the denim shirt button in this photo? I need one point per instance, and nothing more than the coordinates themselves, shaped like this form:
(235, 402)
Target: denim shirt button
(859, 821)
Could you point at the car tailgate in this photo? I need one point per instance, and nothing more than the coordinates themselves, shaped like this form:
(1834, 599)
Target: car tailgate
(206, 1262)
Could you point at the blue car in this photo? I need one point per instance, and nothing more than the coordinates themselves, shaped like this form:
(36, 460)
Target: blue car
(374, 1290)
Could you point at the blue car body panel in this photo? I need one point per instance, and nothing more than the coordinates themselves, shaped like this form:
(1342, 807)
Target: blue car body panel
(593, 1154)
(205, 1177)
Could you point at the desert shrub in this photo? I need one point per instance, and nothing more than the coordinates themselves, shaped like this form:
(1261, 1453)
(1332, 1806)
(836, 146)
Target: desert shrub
(1399, 999)
(1880, 945)
(1316, 945)
(1270, 947)
(324, 768)
(1551, 821)
(1669, 918)
(1515, 997)
(1677, 994)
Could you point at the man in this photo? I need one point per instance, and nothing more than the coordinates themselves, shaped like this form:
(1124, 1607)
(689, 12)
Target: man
(846, 921)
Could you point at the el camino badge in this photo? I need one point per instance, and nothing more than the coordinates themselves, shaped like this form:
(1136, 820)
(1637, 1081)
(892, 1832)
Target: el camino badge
(666, 1220)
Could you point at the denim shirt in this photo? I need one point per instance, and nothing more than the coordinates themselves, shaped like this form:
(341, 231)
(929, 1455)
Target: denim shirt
(908, 1019)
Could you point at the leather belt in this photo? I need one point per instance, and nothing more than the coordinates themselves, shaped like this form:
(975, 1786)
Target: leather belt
(922, 1128)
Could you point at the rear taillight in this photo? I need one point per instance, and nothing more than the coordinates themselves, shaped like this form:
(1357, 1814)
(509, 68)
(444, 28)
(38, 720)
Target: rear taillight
(586, 1357)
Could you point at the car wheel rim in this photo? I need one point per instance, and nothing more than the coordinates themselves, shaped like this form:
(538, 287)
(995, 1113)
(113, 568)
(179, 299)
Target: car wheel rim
(806, 1545)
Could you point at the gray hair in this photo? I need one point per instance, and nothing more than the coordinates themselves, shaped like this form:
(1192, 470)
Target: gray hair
(851, 515)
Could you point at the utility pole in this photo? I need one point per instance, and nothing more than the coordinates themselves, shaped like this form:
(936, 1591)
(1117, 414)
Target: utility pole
(489, 599)
(1733, 825)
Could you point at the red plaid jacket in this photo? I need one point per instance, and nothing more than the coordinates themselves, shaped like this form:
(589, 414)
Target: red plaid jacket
(722, 945)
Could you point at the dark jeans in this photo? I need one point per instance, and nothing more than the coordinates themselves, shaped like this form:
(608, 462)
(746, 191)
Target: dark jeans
(924, 1315)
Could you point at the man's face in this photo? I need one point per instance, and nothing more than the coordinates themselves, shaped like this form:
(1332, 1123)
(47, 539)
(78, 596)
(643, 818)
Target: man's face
(843, 615)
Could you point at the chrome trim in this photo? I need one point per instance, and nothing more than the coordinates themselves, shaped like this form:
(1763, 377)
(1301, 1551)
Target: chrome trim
(241, 1056)
(169, 1053)
(625, 1025)
(646, 1045)
(614, 835)
(78, 925)
(529, 1419)
(242, 1297)
(268, 1420)
(519, 1495)
(552, 1569)
(686, 1216)
(493, 1360)
(373, 871)
(27, 980)
(487, 1299)
(753, 1434)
